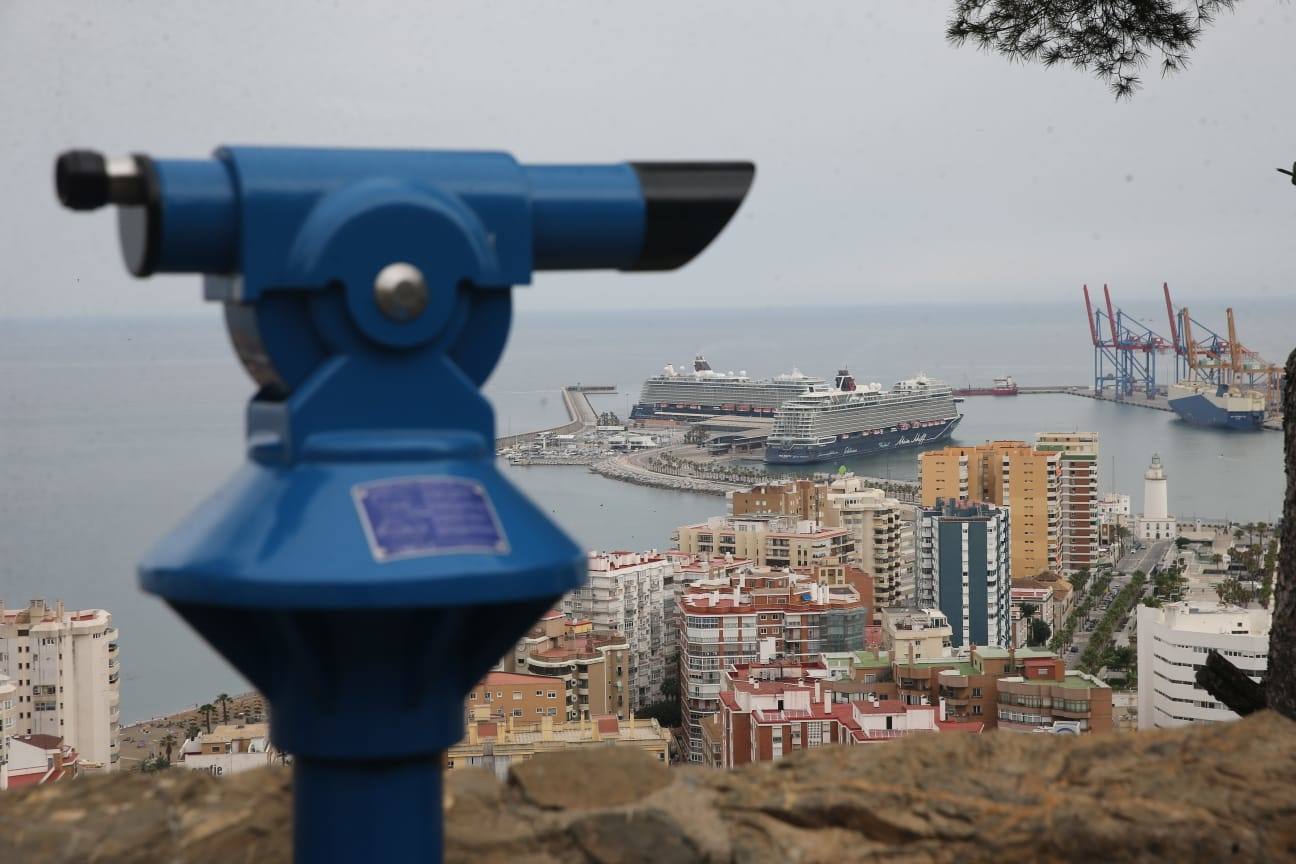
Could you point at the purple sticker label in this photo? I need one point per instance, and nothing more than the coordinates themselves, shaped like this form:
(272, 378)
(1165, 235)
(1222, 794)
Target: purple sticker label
(411, 517)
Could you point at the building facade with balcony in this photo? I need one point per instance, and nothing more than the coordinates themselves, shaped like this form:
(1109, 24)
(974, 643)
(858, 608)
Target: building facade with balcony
(881, 527)
(1173, 641)
(8, 697)
(1077, 496)
(66, 669)
(767, 540)
(1010, 474)
(593, 666)
(631, 593)
(756, 616)
(963, 569)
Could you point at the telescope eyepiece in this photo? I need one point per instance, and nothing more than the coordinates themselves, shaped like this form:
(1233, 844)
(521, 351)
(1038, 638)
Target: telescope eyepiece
(81, 178)
(85, 180)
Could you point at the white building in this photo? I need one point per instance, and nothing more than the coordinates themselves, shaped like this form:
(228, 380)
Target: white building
(1172, 644)
(631, 593)
(1155, 522)
(1113, 509)
(229, 749)
(8, 697)
(883, 534)
(964, 567)
(916, 634)
(1078, 496)
(65, 668)
(1037, 594)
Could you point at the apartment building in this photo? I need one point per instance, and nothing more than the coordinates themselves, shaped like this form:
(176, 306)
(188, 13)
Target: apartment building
(631, 593)
(502, 695)
(8, 701)
(496, 745)
(764, 718)
(767, 540)
(916, 633)
(760, 615)
(1021, 690)
(65, 668)
(881, 527)
(594, 666)
(1173, 641)
(1009, 474)
(1077, 496)
(963, 569)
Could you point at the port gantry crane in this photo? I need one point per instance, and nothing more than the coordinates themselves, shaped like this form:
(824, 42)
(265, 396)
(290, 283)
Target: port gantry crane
(1127, 361)
(1221, 360)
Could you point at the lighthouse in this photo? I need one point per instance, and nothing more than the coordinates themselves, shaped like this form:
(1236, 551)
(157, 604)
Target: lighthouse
(1155, 522)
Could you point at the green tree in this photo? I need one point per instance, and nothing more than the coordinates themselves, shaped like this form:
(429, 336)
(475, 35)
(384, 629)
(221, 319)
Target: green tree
(1113, 39)
(167, 743)
(193, 730)
(1039, 633)
(224, 700)
(207, 711)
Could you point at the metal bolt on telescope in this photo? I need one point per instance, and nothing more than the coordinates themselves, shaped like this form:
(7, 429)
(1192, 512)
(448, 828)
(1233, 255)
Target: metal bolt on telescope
(368, 563)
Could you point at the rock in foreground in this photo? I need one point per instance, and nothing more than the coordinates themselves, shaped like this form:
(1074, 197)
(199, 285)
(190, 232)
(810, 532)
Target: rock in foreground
(1205, 794)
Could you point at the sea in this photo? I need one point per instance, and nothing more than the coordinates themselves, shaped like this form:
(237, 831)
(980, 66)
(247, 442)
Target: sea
(110, 429)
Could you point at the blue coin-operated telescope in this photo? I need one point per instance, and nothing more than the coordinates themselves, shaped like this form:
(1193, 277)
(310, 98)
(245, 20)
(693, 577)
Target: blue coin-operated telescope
(368, 564)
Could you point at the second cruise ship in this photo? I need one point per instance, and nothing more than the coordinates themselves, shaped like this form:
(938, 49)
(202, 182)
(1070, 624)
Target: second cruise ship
(850, 420)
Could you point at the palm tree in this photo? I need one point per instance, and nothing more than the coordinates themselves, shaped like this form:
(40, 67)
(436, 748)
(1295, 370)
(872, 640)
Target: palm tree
(224, 700)
(207, 711)
(193, 730)
(168, 743)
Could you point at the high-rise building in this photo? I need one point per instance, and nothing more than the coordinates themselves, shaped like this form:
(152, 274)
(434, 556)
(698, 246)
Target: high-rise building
(1077, 496)
(65, 668)
(1155, 522)
(768, 540)
(756, 616)
(963, 566)
(631, 593)
(881, 527)
(1011, 474)
(1172, 644)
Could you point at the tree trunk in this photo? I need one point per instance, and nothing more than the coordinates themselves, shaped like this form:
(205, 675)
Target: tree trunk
(1280, 686)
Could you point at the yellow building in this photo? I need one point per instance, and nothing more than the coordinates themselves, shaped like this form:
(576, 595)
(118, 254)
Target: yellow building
(767, 540)
(1010, 474)
(497, 744)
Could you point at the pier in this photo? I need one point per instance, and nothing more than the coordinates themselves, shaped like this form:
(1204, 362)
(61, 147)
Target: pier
(580, 413)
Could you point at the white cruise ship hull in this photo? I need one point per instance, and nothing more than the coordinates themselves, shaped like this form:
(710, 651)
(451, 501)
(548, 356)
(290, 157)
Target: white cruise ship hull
(864, 443)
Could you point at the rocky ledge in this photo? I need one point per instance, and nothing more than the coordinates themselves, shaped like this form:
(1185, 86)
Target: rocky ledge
(1215, 793)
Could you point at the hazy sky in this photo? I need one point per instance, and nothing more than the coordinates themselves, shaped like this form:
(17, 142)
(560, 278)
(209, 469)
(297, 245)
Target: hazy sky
(891, 166)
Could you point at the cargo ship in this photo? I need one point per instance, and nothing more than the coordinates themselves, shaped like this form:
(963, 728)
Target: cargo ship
(1005, 386)
(849, 420)
(1205, 403)
(706, 392)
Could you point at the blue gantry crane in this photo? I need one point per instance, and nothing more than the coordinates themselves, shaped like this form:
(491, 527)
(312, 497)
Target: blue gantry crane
(1125, 351)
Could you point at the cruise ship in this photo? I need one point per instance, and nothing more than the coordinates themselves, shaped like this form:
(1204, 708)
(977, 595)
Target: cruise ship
(1203, 403)
(703, 391)
(849, 420)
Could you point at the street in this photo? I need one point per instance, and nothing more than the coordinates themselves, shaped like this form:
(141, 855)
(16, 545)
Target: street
(1139, 559)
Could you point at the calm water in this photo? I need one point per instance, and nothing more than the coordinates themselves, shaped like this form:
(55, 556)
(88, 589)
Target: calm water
(110, 430)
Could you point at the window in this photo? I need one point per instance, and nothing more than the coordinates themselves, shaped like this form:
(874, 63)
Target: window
(517, 712)
(539, 693)
(486, 695)
(976, 709)
(517, 695)
(976, 692)
(472, 696)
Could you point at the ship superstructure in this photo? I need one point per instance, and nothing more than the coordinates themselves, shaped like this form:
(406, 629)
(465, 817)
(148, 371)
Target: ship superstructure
(704, 391)
(1224, 385)
(852, 420)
